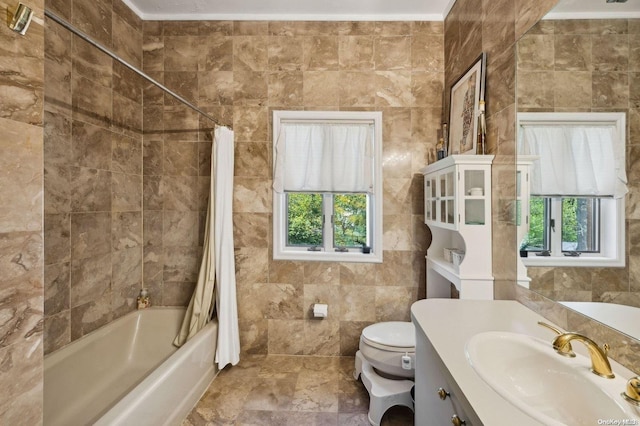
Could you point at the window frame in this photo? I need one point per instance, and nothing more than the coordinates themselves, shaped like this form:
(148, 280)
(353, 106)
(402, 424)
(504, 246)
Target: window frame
(612, 212)
(374, 212)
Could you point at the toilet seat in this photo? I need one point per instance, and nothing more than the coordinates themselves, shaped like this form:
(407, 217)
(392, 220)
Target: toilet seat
(391, 336)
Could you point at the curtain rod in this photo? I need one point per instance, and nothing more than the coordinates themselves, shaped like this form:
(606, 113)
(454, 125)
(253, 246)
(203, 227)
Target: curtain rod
(108, 52)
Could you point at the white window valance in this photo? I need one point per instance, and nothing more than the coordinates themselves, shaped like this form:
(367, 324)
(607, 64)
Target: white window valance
(580, 160)
(324, 157)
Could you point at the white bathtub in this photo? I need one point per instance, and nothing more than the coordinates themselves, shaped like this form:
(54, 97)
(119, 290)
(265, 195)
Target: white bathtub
(623, 318)
(129, 373)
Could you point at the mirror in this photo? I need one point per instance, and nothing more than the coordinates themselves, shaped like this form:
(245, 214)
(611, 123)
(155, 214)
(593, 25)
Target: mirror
(584, 56)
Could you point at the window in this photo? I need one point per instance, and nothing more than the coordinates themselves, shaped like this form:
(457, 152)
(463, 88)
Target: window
(577, 188)
(564, 226)
(327, 186)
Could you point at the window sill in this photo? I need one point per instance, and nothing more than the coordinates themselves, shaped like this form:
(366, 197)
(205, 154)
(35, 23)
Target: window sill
(328, 256)
(584, 262)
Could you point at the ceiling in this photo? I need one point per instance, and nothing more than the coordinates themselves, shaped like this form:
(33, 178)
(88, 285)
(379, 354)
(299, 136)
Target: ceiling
(351, 10)
(317, 10)
(594, 9)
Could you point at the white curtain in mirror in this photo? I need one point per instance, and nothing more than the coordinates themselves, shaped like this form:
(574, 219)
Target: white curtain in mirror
(574, 160)
(324, 157)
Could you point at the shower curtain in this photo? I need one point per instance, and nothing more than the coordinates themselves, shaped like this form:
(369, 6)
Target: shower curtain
(217, 277)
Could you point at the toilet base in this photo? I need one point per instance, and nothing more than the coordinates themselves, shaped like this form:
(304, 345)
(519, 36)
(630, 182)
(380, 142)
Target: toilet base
(383, 393)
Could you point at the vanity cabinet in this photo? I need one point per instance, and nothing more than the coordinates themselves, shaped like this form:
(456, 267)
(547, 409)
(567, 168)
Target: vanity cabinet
(457, 205)
(438, 398)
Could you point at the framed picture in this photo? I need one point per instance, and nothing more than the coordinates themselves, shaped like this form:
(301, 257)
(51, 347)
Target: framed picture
(466, 93)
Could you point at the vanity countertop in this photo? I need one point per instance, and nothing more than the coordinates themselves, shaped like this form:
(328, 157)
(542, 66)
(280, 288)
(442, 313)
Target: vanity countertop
(450, 323)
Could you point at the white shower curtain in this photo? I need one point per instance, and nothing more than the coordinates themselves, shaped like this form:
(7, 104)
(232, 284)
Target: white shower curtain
(217, 277)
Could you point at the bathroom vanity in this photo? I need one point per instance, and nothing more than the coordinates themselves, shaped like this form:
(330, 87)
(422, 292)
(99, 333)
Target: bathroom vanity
(446, 384)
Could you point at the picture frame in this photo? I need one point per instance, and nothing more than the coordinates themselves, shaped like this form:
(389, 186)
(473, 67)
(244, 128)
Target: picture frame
(465, 95)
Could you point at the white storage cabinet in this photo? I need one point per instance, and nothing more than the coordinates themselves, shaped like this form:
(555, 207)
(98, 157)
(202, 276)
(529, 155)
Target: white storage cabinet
(457, 198)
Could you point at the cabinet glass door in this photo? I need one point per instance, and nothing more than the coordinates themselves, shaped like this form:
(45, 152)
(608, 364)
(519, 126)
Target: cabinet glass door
(474, 197)
(447, 204)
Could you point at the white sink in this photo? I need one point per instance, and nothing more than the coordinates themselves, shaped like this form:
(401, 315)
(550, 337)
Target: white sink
(552, 389)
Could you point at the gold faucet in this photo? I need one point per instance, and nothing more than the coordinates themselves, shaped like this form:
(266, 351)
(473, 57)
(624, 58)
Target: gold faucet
(599, 361)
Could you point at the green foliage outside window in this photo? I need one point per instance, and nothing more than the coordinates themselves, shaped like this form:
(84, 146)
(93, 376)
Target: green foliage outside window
(304, 217)
(535, 238)
(349, 220)
(577, 223)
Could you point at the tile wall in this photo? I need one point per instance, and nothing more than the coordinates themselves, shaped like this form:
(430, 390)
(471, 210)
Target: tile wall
(240, 72)
(21, 229)
(492, 27)
(92, 170)
(582, 65)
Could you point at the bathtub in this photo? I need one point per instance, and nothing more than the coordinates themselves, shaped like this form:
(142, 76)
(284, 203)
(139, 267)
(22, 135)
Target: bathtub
(623, 318)
(129, 373)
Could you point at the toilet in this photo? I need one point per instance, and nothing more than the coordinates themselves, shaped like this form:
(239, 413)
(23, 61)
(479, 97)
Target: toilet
(385, 362)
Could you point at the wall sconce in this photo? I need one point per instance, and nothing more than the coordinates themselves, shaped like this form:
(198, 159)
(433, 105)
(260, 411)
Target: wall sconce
(21, 19)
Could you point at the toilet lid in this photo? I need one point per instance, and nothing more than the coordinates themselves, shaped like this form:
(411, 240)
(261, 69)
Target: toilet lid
(399, 334)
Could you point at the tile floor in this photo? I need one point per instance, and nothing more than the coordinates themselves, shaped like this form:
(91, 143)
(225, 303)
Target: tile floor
(278, 390)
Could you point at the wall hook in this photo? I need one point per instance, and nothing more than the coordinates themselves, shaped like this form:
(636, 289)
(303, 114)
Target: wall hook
(21, 19)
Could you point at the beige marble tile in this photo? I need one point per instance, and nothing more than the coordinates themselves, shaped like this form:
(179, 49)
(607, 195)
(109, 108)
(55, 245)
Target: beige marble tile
(270, 395)
(250, 53)
(535, 52)
(392, 52)
(90, 316)
(91, 102)
(498, 25)
(180, 158)
(250, 124)
(358, 303)
(90, 234)
(315, 394)
(285, 88)
(356, 52)
(320, 88)
(180, 229)
(57, 281)
(572, 89)
(126, 266)
(125, 192)
(90, 189)
(252, 159)
(180, 123)
(610, 52)
(127, 41)
(286, 337)
(534, 90)
(57, 238)
(252, 195)
(394, 303)
(57, 331)
(215, 53)
(610, 90)
(21, 286)
(251, 230)
(253, 336)
(180, 264)
(320, 53)
(21, 162)
(22, 382)
(177, 293)
(179, 193)
(126, 230)
(396, 125)
(427, 52)
(358, 89)
(90, 280)
(397, 232)
(394, 88)
(126, 154)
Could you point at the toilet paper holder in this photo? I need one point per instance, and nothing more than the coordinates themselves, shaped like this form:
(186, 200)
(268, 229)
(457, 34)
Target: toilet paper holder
(320, 310)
